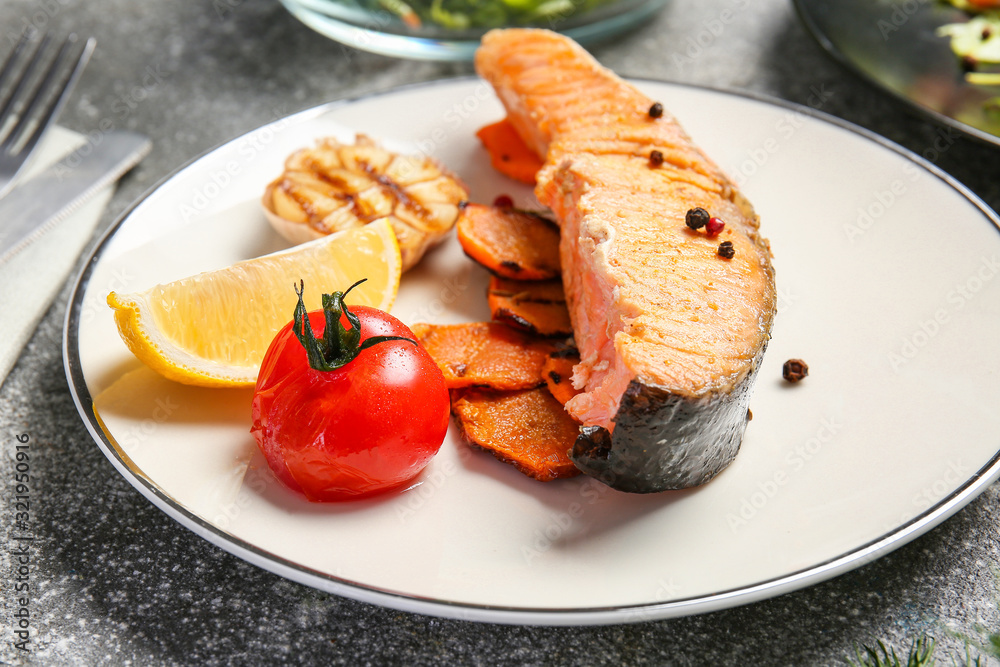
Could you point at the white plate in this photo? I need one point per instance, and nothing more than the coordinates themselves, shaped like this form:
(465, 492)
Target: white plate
(886, 274)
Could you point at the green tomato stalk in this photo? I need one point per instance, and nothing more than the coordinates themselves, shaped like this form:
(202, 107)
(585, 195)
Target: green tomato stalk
(339, 345)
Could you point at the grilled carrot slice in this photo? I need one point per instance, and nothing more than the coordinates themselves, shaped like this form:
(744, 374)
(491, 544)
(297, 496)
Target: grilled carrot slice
(535, 306)
(508, 152)
(558, 373)
(528, 429)
(510, 243)
(485, 354)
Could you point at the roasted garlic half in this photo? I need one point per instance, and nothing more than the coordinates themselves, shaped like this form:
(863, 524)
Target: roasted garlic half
(337, 186)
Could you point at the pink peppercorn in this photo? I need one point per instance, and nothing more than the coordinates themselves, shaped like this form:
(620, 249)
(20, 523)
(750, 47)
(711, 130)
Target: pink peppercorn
(714, 226)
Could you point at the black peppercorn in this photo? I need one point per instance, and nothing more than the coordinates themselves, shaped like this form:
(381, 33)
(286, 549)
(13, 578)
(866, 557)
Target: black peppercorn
(794, 370)
(697, 218)
(727, 250)
(655, 159)
(656, 110)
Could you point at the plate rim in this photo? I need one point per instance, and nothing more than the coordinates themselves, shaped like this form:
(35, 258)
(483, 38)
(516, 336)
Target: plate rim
(835, 52)
(902, 534)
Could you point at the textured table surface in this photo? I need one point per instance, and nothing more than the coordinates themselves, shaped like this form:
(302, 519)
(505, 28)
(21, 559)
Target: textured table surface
(116, 581)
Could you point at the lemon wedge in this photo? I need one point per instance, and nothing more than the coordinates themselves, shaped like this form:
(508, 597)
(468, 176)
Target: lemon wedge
(212, 329)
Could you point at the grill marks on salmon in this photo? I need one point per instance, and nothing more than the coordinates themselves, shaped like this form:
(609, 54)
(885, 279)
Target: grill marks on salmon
(670, 334)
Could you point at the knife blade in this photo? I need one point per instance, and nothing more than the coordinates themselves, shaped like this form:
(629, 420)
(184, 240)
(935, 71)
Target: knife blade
(36, 206)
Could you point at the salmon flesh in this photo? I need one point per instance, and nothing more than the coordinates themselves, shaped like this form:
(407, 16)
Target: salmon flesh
(670, 332)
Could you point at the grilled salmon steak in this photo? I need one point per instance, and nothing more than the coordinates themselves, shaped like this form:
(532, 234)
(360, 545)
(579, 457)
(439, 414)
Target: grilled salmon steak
(671, 328)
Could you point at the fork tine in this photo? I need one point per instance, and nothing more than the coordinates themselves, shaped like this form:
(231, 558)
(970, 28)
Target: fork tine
(47, 99)
(10, 62)
(24, 79)
(54, 76)
(28, 98)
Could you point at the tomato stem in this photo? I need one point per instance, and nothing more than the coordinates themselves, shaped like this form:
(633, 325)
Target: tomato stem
(338, 345)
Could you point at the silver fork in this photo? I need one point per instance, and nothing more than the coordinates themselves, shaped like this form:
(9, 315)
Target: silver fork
(32, 102)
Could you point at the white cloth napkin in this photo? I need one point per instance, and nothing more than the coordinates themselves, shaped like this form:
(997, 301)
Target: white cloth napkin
(32, 278)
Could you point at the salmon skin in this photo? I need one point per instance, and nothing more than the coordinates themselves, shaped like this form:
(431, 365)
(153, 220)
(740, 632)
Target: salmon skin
(671, 332)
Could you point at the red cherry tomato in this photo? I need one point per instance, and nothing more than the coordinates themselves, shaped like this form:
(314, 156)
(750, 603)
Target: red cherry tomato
(360, 429)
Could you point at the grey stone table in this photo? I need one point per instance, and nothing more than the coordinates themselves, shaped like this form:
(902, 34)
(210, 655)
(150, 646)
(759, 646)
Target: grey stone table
(118, 582)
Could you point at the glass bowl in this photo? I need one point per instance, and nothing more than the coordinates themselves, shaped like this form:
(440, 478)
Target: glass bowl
(451, 29)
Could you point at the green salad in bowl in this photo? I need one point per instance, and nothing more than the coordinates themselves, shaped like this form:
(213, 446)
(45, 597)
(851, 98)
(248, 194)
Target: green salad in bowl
(451, 29)
(976, 43)
(466, 14)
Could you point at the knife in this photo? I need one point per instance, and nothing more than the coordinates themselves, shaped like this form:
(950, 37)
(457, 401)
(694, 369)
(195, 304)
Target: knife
(36, 206)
